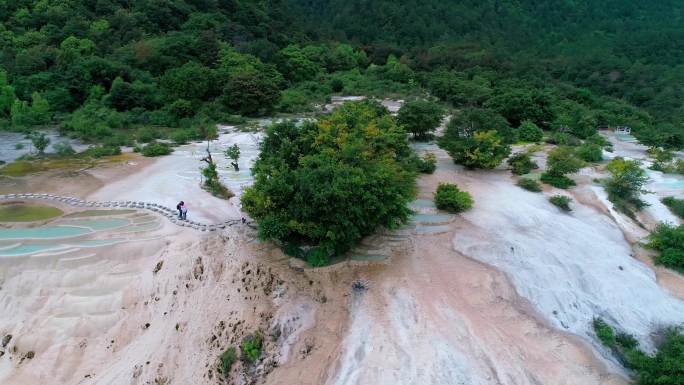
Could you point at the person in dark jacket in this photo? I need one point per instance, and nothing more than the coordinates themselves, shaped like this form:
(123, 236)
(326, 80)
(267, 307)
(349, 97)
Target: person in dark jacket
(179, 207)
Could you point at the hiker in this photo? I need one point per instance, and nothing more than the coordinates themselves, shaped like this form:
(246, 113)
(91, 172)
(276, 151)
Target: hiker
(184, 211)
(178, 207)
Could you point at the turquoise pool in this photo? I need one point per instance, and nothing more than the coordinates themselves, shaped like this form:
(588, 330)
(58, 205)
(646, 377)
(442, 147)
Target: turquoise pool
(98, 224)
(27, 249)
(672, 184)
(625, 138)
(50, 232)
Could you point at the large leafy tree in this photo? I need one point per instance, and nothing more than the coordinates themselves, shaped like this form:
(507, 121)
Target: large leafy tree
(294, 64)
(518, 104)
(125, 96)
(191, 81)
(331, 182)
(469, 121)
(251, 87)
(420, 117)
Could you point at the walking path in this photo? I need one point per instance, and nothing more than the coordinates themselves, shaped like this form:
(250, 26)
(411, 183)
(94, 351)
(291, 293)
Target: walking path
(169, 213)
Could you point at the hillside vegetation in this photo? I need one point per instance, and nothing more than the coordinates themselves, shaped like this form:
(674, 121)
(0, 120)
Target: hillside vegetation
(113, 71)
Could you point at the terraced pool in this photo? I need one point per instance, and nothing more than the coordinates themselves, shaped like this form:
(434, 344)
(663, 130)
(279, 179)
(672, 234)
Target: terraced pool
(47, 232)
(98, 224)
(73, 233)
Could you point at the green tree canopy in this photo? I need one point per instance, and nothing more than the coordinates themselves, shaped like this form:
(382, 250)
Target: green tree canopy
(420, 117)
(296, 65)
(562, 161)
(332, 182)
(520, 104)
(484, 149)
(191, 81)
(468, 121)
(626, 182)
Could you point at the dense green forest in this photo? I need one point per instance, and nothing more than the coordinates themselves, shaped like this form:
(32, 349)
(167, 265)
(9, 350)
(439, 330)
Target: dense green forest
(113, 71)
(629, 50)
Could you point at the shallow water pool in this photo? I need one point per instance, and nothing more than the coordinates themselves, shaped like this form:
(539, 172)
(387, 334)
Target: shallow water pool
(671, 184)
(625, 138)
(432, 218)
(96, 242)
(422, 204)
(426, 230)
(27, 249)
(98, 224)
(50, 232)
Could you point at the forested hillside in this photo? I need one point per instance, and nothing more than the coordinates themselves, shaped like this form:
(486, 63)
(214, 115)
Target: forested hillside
(626, 49)
(117, 71)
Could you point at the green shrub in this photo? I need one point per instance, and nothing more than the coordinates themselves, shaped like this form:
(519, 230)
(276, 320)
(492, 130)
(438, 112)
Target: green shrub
(156, 149)
(251, 347)
(562, 161)
(679, 166)
(561, 201)
(530, 132)
(294, 100)
(598, 140)
(102, 150)
(427, 164)
(668, 240)
(563, 139)
(589, 152)
(63, 149)
(666, 367)
(626, 340)
(604, 332)
(148, 134)
(660, 155)
(561, 181)
(625, 185)
(448, 197)
(293, 250)
(521, 163)
(675, 205)
(484, 149)
(226, 360)
(318, 257)
(213, 184)
(182, 136)
(673, 167)
(19, 146)
(40, 141)
(117, 140)
(529, 184)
